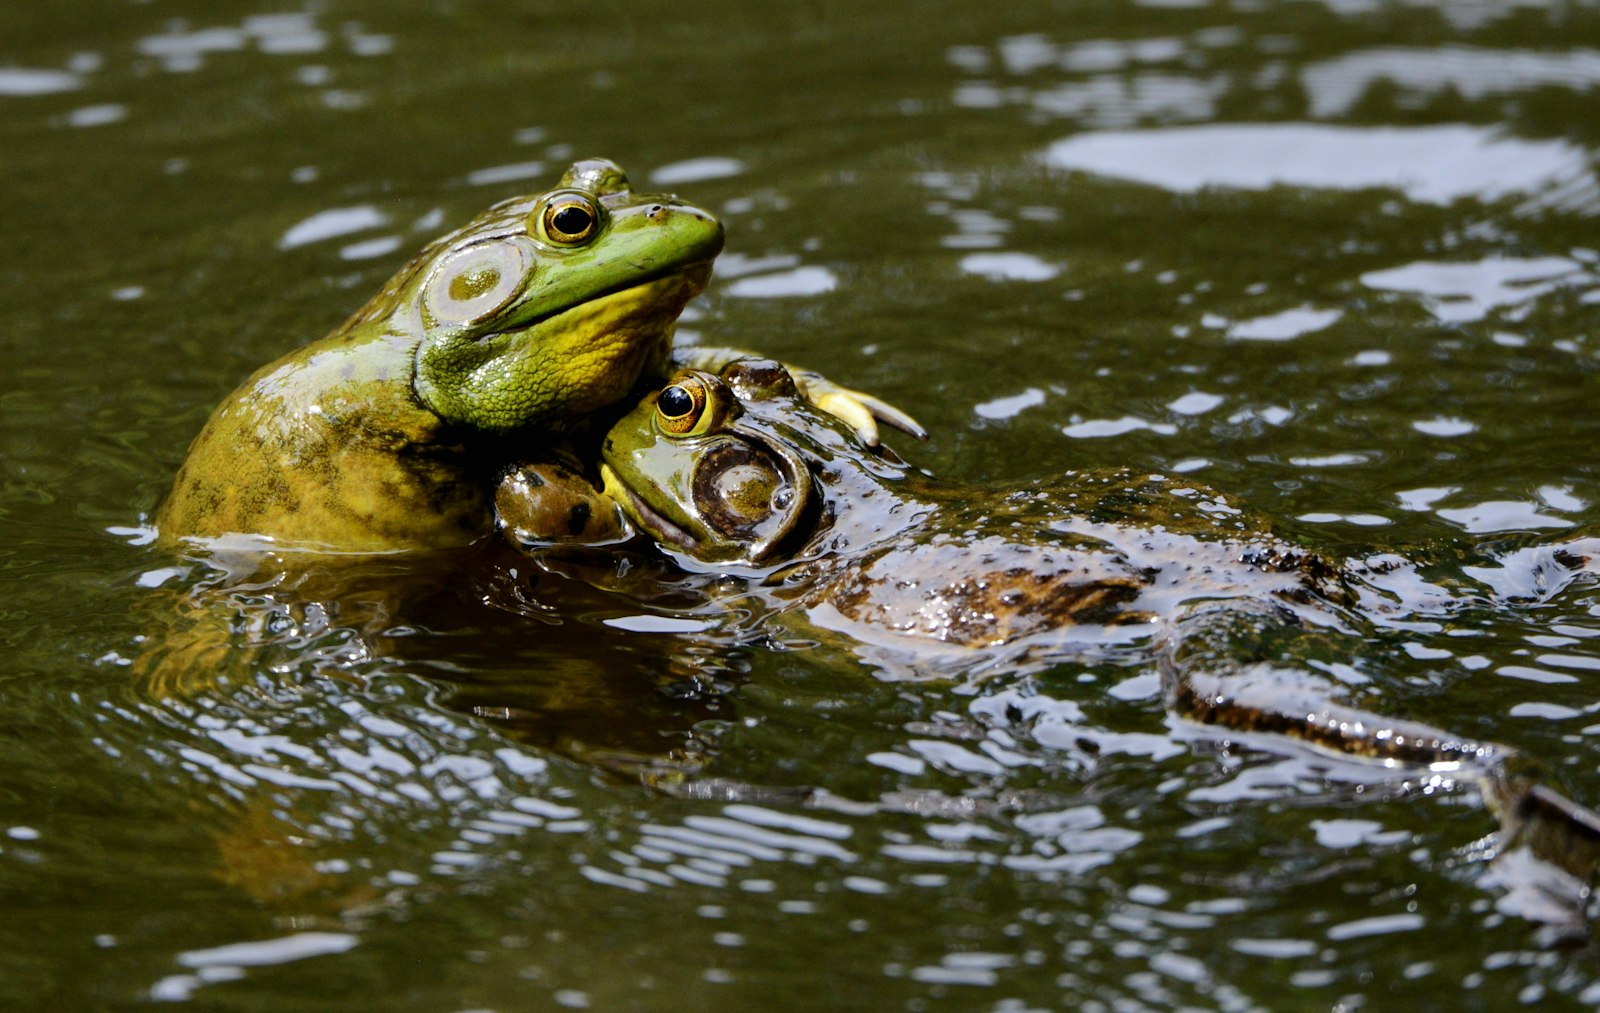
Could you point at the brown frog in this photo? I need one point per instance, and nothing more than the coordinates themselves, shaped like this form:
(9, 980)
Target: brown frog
(731, 473)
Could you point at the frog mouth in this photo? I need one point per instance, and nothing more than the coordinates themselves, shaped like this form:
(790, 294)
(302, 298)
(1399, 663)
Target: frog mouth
(693, 277)
(657, 525)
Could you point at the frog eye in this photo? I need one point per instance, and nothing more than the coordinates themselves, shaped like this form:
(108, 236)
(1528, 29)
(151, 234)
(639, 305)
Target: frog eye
(475, 283)
(681, 407)
(569, 219)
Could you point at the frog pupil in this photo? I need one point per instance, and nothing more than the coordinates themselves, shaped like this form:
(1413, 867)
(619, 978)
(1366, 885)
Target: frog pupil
(675, 402)
(571, 220)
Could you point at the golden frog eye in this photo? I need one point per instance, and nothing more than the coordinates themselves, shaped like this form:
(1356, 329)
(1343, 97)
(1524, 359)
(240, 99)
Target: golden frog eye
(570, 219)
(473, 284)
(681, 407)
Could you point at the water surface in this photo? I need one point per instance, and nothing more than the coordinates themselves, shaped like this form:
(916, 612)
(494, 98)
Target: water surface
(1336, 259)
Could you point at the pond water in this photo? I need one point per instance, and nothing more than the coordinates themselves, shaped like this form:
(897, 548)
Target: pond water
(1337, 259)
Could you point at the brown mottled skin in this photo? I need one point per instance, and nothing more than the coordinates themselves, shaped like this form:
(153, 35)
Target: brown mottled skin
(878, 548)
(732, 473)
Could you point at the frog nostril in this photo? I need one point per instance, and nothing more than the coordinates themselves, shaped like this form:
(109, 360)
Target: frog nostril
(655, 211)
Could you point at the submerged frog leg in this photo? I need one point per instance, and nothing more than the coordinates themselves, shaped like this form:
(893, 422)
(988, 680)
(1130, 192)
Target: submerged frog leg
(1214, 673)
(1536, 573)
(1401, 587)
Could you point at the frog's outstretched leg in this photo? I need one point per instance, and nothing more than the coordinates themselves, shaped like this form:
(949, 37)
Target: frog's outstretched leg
(861, 411)
(1219, 668)
(1214, 673)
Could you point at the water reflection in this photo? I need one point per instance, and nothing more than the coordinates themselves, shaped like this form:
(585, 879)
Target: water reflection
(497, 175)
(97, 115)
(1430, 164)
(1004, 408)
(696, 170)
(1008, 267)
(30, 81)
(1284, 325)
(181, 49)
(228, 963)
(1464, 292)
(1336, 85)
(332, 224)
(807, 280)
(450, 772)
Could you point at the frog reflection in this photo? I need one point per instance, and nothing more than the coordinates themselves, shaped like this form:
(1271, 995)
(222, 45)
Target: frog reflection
(731, 473)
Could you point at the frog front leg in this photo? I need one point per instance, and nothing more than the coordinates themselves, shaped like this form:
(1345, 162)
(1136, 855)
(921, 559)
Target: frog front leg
(552, 502)
(861, 411)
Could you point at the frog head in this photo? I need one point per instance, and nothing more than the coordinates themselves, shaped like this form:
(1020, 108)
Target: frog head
(546, 308)
(737, 466)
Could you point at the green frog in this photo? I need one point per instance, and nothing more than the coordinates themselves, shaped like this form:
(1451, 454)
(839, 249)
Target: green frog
(384, 435)
(734, 476)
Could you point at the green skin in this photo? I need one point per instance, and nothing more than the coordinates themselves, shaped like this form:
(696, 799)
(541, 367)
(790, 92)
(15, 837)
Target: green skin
(381, 436)
(732, 473)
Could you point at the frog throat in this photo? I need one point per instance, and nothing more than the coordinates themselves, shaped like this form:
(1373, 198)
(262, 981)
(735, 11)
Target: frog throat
(553, 372)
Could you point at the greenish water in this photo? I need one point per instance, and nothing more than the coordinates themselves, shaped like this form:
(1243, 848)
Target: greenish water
(1336, 259)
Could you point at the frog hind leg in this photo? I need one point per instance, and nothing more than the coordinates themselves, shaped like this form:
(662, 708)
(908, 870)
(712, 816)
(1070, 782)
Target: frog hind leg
(1223, 666)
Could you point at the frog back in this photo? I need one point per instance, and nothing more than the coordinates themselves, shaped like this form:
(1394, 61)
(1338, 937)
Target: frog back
(328, 447)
